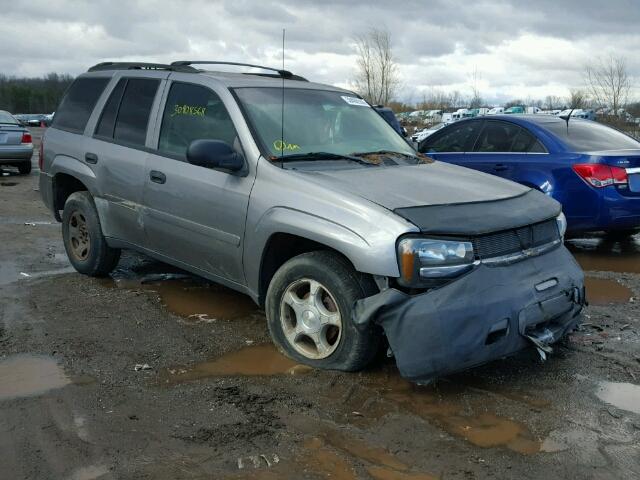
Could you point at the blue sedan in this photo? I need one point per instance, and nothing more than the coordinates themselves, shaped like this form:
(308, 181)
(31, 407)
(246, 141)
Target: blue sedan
(591, 169)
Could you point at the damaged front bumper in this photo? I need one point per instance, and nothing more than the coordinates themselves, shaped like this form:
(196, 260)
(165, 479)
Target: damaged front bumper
(489, 313)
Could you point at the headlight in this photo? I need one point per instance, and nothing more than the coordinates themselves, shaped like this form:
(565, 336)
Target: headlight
(429, 262)
(561, 220)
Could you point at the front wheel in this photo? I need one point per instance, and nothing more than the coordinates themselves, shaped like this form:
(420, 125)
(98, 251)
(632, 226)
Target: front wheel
(309, 305)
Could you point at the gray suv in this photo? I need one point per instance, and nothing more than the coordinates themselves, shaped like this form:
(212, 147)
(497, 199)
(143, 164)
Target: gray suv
(303, 197)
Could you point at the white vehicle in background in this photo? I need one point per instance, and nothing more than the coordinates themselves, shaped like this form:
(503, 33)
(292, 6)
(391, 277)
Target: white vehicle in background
(587, 114)
(432, 117)
(447, 117)
(533, 110)
(422, 134)
(496, 111)
(461, 113)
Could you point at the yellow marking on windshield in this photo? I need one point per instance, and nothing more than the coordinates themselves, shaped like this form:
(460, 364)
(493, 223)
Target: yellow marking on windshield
(190, 110)
(281, 145)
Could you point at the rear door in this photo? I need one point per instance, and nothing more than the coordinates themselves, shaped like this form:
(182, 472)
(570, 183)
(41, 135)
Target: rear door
(118, 150)
(501, 149)
(452, 142)
(193, 214)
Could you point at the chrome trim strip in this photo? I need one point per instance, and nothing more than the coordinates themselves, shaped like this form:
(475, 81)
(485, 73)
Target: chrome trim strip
(517, 256)
(631, 171)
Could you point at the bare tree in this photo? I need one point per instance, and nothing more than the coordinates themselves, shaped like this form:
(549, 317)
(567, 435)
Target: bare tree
(608, 82)
(552, 102)
(476, 99)
(578, 98)
(377, 72)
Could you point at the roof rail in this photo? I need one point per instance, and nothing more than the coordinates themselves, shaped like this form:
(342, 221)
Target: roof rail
(140, 66)
(280, 73)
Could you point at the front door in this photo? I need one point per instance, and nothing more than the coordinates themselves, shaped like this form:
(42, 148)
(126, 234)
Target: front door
(193, 214)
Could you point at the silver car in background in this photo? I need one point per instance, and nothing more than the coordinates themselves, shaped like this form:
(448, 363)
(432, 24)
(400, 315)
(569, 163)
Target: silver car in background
(16, 146)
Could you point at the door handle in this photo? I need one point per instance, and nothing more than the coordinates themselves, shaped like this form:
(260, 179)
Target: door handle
(499, 167)
(91, 158)
(157, 177)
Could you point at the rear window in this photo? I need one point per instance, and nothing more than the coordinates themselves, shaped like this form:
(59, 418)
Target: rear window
(7, 118)
(76, 106)
(588, 136)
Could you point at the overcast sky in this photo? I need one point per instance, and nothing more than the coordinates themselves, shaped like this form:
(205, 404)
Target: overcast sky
(520, 49)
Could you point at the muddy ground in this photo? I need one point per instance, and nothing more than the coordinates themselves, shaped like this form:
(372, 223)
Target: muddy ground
(155, 374)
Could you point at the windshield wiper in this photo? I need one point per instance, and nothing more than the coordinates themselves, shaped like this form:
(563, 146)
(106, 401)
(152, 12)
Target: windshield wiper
(322, 156)
(417, 157)
(383, 152)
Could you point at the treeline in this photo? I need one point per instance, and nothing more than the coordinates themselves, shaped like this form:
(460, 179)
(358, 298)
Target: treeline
(32, 95)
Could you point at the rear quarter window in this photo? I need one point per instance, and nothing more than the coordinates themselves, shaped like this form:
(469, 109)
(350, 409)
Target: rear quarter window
(78, 103)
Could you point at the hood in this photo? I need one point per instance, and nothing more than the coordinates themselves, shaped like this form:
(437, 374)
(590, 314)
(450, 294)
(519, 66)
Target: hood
(417, 185)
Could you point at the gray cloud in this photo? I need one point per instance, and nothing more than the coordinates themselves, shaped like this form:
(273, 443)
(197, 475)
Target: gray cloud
(516, 46)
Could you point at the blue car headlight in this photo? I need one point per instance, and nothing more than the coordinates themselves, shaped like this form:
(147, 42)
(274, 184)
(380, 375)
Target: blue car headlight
(428, 262)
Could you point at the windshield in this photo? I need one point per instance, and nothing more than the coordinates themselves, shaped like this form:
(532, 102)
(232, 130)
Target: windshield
(7, 118)
(588, 136)
(317, 121)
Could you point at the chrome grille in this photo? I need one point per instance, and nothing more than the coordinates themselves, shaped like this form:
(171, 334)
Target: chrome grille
(517, 240)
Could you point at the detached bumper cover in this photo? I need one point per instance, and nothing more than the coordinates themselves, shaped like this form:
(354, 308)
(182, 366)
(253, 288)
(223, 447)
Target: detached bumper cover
(485, 315)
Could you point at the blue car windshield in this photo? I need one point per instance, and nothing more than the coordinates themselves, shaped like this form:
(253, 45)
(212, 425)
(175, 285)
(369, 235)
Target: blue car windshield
(588, 136)
(317, 121)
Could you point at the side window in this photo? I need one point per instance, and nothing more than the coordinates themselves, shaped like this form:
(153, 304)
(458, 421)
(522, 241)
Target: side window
(75, 109)
(135, 107)
(458, 138)
(497, 137)
(523, 141)
(107, 120)
(537, 147)
(193, 112)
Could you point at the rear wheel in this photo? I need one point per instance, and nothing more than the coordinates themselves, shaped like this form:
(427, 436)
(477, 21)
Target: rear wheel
(25, 169)
(83, 240)
(309, 307)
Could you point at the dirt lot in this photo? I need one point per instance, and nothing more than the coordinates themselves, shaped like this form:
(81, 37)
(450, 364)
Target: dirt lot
(156, 374)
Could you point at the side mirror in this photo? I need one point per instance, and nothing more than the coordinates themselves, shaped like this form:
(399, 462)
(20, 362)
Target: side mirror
(214, 154)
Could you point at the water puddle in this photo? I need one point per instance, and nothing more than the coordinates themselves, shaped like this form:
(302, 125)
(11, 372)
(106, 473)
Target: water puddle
(625, 396)
(448, 407)
(601, 254)
(256, 360)
(338, 456)
(25, 375)
(191, 298)
(603, 291)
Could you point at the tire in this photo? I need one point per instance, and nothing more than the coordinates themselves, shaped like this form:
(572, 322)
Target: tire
(338, 286)
(24, 169)
(83, 240)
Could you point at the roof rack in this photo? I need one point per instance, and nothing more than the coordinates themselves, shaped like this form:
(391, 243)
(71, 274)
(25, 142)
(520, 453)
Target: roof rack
(140, 66)
(280, 73)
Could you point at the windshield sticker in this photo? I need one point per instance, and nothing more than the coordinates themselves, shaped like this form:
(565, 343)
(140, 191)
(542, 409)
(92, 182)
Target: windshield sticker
(355, 101)
(281, 145)
(190, 110)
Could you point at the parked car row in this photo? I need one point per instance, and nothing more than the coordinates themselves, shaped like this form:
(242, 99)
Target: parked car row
(34, 119)
(310, 203)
